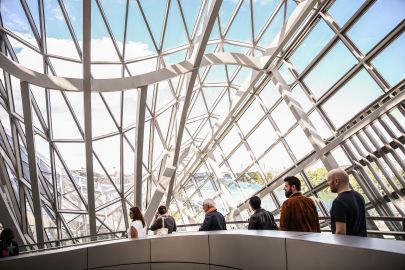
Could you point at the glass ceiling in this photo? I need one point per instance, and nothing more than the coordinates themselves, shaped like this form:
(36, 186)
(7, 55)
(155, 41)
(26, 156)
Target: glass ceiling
(329, 92)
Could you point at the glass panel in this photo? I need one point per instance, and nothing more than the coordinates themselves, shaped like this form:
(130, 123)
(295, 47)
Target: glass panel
(115, 14)
(304, 187)
(154, 13)
(283, 117)
(106, 71)
(241, 28)
(230, 141)
(273, 29)
(299, 143)
(108, 152)
(190, 11)
(58, 39)
(130, 107)
(390, 62)
(330, 69)
(26, 56)
(208, 191)
(262, 138)
(280, 194)
(67, 68)
(316, 173)
(275, 161)
(299, 95)
(139, 42)
(342, 10)
(311, 46)
(102, 123)
(262, 10)
(377, 22)
(354, 96)
(268, 203)
(239, 160)
(211, 94)
(355, 186)
(190, 187)
(286, 74)
(14, 19)
(320, 125)
(64, 126)
(250, 117)
(340, 157)
(327, 197)
(175, 34)
(269, 95)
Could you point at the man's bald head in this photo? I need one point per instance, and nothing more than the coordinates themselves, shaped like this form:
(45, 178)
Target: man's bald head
(338, 180)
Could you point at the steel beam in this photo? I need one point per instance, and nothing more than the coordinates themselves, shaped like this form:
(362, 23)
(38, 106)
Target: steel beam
(139, 136)
(88, 137)
(26, 97)
(195, 57)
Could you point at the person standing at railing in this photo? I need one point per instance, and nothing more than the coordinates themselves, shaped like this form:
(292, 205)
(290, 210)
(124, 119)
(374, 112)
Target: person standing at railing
(164, 223)
(348, 212)
(261, 218)
(138, 226)
(214, 220)
(8, 246)
(298, 213)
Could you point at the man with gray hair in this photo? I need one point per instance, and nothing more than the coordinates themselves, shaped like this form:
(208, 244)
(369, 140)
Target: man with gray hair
(348, 213)
(214, 220)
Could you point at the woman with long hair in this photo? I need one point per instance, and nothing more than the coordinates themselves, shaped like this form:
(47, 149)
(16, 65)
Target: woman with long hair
(138, 225)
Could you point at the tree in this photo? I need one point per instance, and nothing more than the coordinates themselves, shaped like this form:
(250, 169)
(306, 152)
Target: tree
(317, 176)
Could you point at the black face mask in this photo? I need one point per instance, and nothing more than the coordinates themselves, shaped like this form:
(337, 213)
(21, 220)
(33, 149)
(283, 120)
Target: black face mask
(288, 193)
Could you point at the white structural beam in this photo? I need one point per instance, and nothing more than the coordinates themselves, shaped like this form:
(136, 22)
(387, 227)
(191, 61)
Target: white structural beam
(118, 84)
(32, 161)
(195, 58)
(139, 134)
(302, 119)
(88, 136)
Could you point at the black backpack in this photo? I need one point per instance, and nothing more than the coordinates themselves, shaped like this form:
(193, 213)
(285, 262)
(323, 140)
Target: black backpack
(6, 250)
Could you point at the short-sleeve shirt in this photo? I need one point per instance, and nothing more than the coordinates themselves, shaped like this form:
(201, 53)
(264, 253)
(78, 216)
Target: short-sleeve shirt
(348, 207)
(137, 224)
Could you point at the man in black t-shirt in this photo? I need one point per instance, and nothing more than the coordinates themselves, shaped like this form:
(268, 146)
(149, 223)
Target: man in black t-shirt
(348, 213)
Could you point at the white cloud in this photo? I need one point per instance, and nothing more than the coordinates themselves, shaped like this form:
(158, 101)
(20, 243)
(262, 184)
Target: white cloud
(18, 22)
(57, 13)
(102, 50)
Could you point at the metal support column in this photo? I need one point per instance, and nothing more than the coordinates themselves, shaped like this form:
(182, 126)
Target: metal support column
(140, 124)
(195, 58)
(32, 161)
(87, 113)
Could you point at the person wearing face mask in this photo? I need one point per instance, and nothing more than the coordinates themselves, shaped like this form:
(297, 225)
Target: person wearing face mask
(298, 213)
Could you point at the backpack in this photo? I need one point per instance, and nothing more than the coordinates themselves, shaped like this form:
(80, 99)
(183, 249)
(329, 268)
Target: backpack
(7, 251)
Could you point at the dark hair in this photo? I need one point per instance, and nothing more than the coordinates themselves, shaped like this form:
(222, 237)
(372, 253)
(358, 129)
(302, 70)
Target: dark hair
(7, 235)
(162, 210)
(292, 180)
(137, 215)
(255, 202)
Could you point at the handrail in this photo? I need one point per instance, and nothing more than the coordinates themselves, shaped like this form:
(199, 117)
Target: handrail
(122, 233)
(73, 240)
(382, 218)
